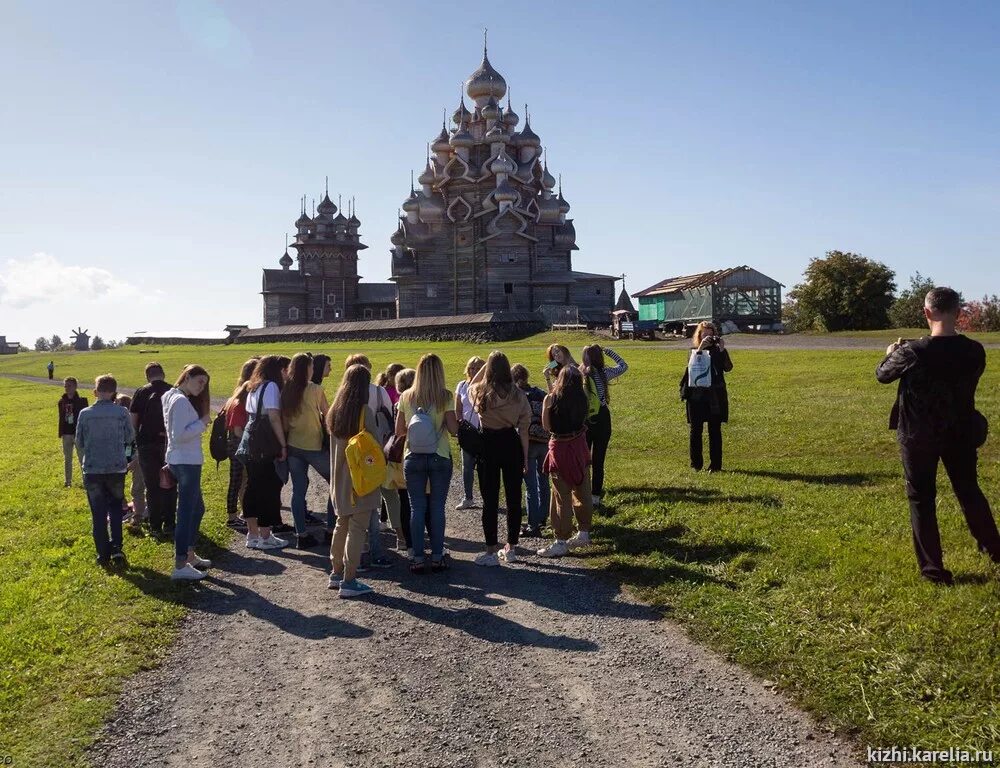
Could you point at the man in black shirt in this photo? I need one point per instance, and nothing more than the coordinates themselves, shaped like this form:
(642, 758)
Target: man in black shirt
(935, 418)
(151, 443)
(70, 405)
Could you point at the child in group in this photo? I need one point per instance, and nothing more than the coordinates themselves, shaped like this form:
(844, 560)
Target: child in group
(465, 411)
(102, 433)
(349, 409)
(536, 482)
(70, 406)
(136, 509)
(558, 357)
(598, 376)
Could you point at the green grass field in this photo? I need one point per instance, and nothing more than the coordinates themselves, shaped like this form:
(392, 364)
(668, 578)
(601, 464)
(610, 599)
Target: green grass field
(796, 562)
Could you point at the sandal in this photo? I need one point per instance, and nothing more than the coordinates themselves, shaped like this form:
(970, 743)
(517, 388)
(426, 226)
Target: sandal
(418, 567)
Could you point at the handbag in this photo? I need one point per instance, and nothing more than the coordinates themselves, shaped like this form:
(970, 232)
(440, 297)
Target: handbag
(394, 449)
(700, 369)
(167, 479)
(470, 439)
(259, 442)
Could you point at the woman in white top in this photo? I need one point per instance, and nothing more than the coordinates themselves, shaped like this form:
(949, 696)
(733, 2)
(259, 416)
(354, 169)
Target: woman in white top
(262, 500)
(186, 414)
(463, 407)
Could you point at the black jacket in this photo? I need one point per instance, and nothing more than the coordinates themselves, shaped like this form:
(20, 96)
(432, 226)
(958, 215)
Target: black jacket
(69, 413)
(936, 396)
(709, 403)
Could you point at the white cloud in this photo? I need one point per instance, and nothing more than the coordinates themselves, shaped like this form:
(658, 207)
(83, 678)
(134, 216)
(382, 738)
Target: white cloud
(43, 279)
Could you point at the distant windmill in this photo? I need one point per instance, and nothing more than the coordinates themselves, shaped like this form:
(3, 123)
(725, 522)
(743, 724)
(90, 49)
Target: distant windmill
(81, 340)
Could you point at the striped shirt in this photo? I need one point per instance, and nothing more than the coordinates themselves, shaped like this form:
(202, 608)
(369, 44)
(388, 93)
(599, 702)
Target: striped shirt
(610, 374)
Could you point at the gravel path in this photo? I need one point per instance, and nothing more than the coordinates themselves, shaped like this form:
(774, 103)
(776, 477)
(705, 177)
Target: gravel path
(544, 663)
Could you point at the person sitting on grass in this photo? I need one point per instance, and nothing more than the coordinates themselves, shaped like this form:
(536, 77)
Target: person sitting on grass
(187, 412)
(353, 512)
(102, 432)
(935, 419)
(564, 414)
(70, 406)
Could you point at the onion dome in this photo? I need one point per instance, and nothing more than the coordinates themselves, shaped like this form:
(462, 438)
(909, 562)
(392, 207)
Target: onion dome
(510, 117)
(528, 138)
(412, 202)
(427, 177)
(563, 205)
(490, 110)
(503, 164)
(353, 222)
(326, 206)
(285, 261)
(303, 221)
(495, 134)
(485, 82)
(505, 192)
(340, 220)
(441, 142)
(565, 235)
(399, 236)
(461, 115)
(548, 181)
(462, 138)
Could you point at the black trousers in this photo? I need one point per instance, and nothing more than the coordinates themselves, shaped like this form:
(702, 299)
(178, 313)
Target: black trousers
(598, 437)
(161, 504)
(920, 463)
(503, 458)
(714, 444)
(262, 498)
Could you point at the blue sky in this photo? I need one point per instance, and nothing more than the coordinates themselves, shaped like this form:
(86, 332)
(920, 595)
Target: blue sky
(152, 154)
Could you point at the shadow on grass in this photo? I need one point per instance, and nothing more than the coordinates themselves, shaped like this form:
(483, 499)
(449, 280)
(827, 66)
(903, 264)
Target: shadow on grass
(686, 495)
(833, 478)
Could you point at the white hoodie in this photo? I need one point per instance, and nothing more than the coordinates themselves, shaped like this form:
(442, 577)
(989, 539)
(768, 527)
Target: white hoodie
(184, 429)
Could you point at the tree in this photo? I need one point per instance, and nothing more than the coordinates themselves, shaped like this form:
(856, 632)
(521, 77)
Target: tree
(845, 292)
(982, 315)
(907, 310)
(42, 344)
(55, 342)
(97, 343)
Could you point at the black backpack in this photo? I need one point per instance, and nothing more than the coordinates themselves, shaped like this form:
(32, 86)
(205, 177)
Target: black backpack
(218, 443)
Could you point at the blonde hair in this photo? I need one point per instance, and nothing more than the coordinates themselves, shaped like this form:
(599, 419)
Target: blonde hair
(404, 379)
(428, 390)
(472, 367)
(700, 329)
(357, 360)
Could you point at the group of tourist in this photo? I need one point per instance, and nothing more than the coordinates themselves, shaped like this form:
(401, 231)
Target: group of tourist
(396, 427)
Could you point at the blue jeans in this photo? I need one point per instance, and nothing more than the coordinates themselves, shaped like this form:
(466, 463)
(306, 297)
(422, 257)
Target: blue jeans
(105, 494)
(419, 468)
(537, 485)
(468, 472)
(190, 508)
(299, 461)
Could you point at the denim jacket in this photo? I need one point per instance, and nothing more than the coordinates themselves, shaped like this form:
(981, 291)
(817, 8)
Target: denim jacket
(102, 434)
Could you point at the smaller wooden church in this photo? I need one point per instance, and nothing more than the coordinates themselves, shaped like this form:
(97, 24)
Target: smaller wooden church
(740, 295)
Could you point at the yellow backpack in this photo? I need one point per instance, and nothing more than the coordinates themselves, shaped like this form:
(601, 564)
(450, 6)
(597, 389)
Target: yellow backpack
(365, 460)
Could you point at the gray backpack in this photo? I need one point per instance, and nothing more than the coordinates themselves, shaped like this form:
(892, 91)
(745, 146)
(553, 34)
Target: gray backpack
(421, 436)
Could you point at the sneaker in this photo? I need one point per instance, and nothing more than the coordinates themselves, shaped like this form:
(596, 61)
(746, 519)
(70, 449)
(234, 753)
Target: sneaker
(555, 549)
(382, 562)
(187, 573)
(200, 562)
(335, 581)
(508, 555)
(581, 539)
(306, 541)
(236, 523)
(531, 531)
(466, 504)
(314, 519)
(118, 559)
(354, 588)
(271, 542)
(283, 528)
(253, 542)
(364, 566)
(487, 560)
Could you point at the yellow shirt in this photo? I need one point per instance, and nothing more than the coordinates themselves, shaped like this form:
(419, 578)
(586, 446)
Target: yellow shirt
(305, 429)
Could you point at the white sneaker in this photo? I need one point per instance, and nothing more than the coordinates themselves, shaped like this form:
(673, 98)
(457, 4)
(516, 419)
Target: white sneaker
(555, 549)
(466, 504)
(581, 539)
(487, 559)
(596, 501)
(508, 555)
(200, 562)
(253, 542)
(187, 573)
(272, 542)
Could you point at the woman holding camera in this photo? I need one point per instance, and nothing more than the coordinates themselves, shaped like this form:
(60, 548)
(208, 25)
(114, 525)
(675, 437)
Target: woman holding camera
(708, 404)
